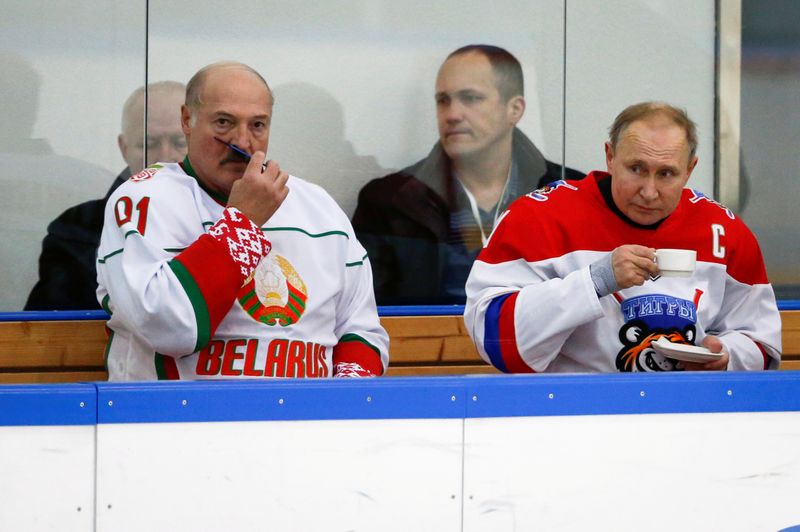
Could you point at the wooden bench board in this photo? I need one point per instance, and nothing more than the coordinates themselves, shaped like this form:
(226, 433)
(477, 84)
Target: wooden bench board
(72, 351)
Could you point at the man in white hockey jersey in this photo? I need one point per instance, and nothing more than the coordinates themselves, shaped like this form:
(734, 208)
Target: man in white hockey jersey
(223, 267)
(568, 282)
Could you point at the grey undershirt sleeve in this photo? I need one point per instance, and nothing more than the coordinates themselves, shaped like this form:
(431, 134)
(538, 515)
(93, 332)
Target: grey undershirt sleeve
(602, 273)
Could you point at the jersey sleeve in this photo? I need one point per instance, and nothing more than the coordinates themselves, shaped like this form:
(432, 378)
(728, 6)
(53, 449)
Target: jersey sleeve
(749, 323)
(363, 343)
(519, 311)
(161, 282)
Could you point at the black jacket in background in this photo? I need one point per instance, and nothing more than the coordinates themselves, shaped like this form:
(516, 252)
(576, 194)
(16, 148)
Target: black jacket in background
(67, 265)
(403, 220)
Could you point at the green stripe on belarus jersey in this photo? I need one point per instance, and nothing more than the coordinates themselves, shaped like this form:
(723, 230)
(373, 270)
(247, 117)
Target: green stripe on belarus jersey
(201, 315)
(356, 338)
(161, 371)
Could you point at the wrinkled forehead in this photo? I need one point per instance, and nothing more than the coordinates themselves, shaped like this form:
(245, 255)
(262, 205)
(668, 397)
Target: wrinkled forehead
(657, 137)
(234, 84)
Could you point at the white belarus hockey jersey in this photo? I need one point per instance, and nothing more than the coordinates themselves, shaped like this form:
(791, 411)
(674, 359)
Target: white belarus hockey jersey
(181, 310)
(532, 306)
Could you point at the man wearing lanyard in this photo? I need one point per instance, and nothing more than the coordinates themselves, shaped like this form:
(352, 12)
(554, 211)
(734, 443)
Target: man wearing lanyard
(424, 226)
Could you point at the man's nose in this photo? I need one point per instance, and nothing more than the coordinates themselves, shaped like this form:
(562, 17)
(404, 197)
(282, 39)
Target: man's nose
(649, 190)
(242, 137)
(453, 113)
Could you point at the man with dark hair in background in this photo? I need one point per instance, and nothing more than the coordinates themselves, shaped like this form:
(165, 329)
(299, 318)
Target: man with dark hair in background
(424, 225)
(67, 268)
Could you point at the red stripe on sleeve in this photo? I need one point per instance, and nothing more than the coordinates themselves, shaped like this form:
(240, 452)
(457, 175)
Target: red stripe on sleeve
(359, 353)
(508, 338)
(222, 260)
(171, 369)
(217, 276)
(764, 354)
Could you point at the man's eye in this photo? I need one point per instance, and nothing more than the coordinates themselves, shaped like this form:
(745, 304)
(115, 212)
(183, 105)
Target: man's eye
(222, 121)
(636, 169)
(470, 98)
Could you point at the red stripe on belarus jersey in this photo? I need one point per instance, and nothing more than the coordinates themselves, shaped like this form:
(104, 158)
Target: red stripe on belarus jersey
(507, 336)
(217, 276)
(356, 351)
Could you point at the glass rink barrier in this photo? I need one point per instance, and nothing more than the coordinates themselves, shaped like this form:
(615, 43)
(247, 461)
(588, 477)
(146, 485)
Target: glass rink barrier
(487, 453)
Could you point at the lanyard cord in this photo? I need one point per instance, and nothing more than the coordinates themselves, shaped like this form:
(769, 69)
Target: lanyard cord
(474, 207)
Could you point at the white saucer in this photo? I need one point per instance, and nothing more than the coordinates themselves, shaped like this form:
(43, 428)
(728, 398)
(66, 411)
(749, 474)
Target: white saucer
(685, 352)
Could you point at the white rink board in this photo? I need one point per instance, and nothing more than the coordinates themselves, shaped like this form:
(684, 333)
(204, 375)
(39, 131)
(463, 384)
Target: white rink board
(387, 475)
(47, 478)
(732, 472)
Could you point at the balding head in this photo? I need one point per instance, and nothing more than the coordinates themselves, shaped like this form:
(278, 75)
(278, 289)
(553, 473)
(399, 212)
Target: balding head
(165, 141)
(649, 110)
(226, 103)
(194, 89)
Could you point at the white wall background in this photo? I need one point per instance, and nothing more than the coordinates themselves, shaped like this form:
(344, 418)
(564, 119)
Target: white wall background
(354, 83)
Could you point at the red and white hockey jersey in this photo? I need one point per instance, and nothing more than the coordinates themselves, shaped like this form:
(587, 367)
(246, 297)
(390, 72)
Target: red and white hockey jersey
(191, 297)
(532, 306)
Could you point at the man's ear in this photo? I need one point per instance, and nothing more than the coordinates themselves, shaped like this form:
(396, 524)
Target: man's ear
(516, 108)
(609, 155)
(123, 147)
(692, 164)
(186, 118)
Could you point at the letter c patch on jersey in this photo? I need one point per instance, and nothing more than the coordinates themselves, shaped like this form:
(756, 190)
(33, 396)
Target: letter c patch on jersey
(718, 250)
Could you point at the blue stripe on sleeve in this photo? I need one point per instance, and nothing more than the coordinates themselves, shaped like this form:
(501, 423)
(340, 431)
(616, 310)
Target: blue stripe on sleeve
(491, 332)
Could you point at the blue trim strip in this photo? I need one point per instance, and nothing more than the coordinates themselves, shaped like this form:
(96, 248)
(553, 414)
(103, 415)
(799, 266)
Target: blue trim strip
(286, 399)
(456, 397)
(54, 315)
(422, 310)
(50, 404)
(491, 332)
(670, 393)
(410, 310)
(789, 304)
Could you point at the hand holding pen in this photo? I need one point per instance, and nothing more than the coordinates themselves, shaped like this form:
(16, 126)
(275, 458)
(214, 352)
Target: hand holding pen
(261, 189)
(241, 153)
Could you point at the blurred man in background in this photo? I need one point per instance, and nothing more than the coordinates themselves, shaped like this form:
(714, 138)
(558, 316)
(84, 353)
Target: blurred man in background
(67, 269)
(424, 225)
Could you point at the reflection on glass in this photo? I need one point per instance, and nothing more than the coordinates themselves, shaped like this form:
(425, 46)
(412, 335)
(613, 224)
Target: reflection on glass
(309, 138)
(37, 182)
(67, 264)
(65, 69)
(424, 226)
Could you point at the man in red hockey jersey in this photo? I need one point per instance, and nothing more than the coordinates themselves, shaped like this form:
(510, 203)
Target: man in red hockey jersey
(585, 295)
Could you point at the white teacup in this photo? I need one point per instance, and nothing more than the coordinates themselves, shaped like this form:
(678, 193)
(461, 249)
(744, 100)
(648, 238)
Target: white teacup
(676, 262)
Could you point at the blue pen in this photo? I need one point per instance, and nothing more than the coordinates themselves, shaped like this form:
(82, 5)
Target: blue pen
(235, 148)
